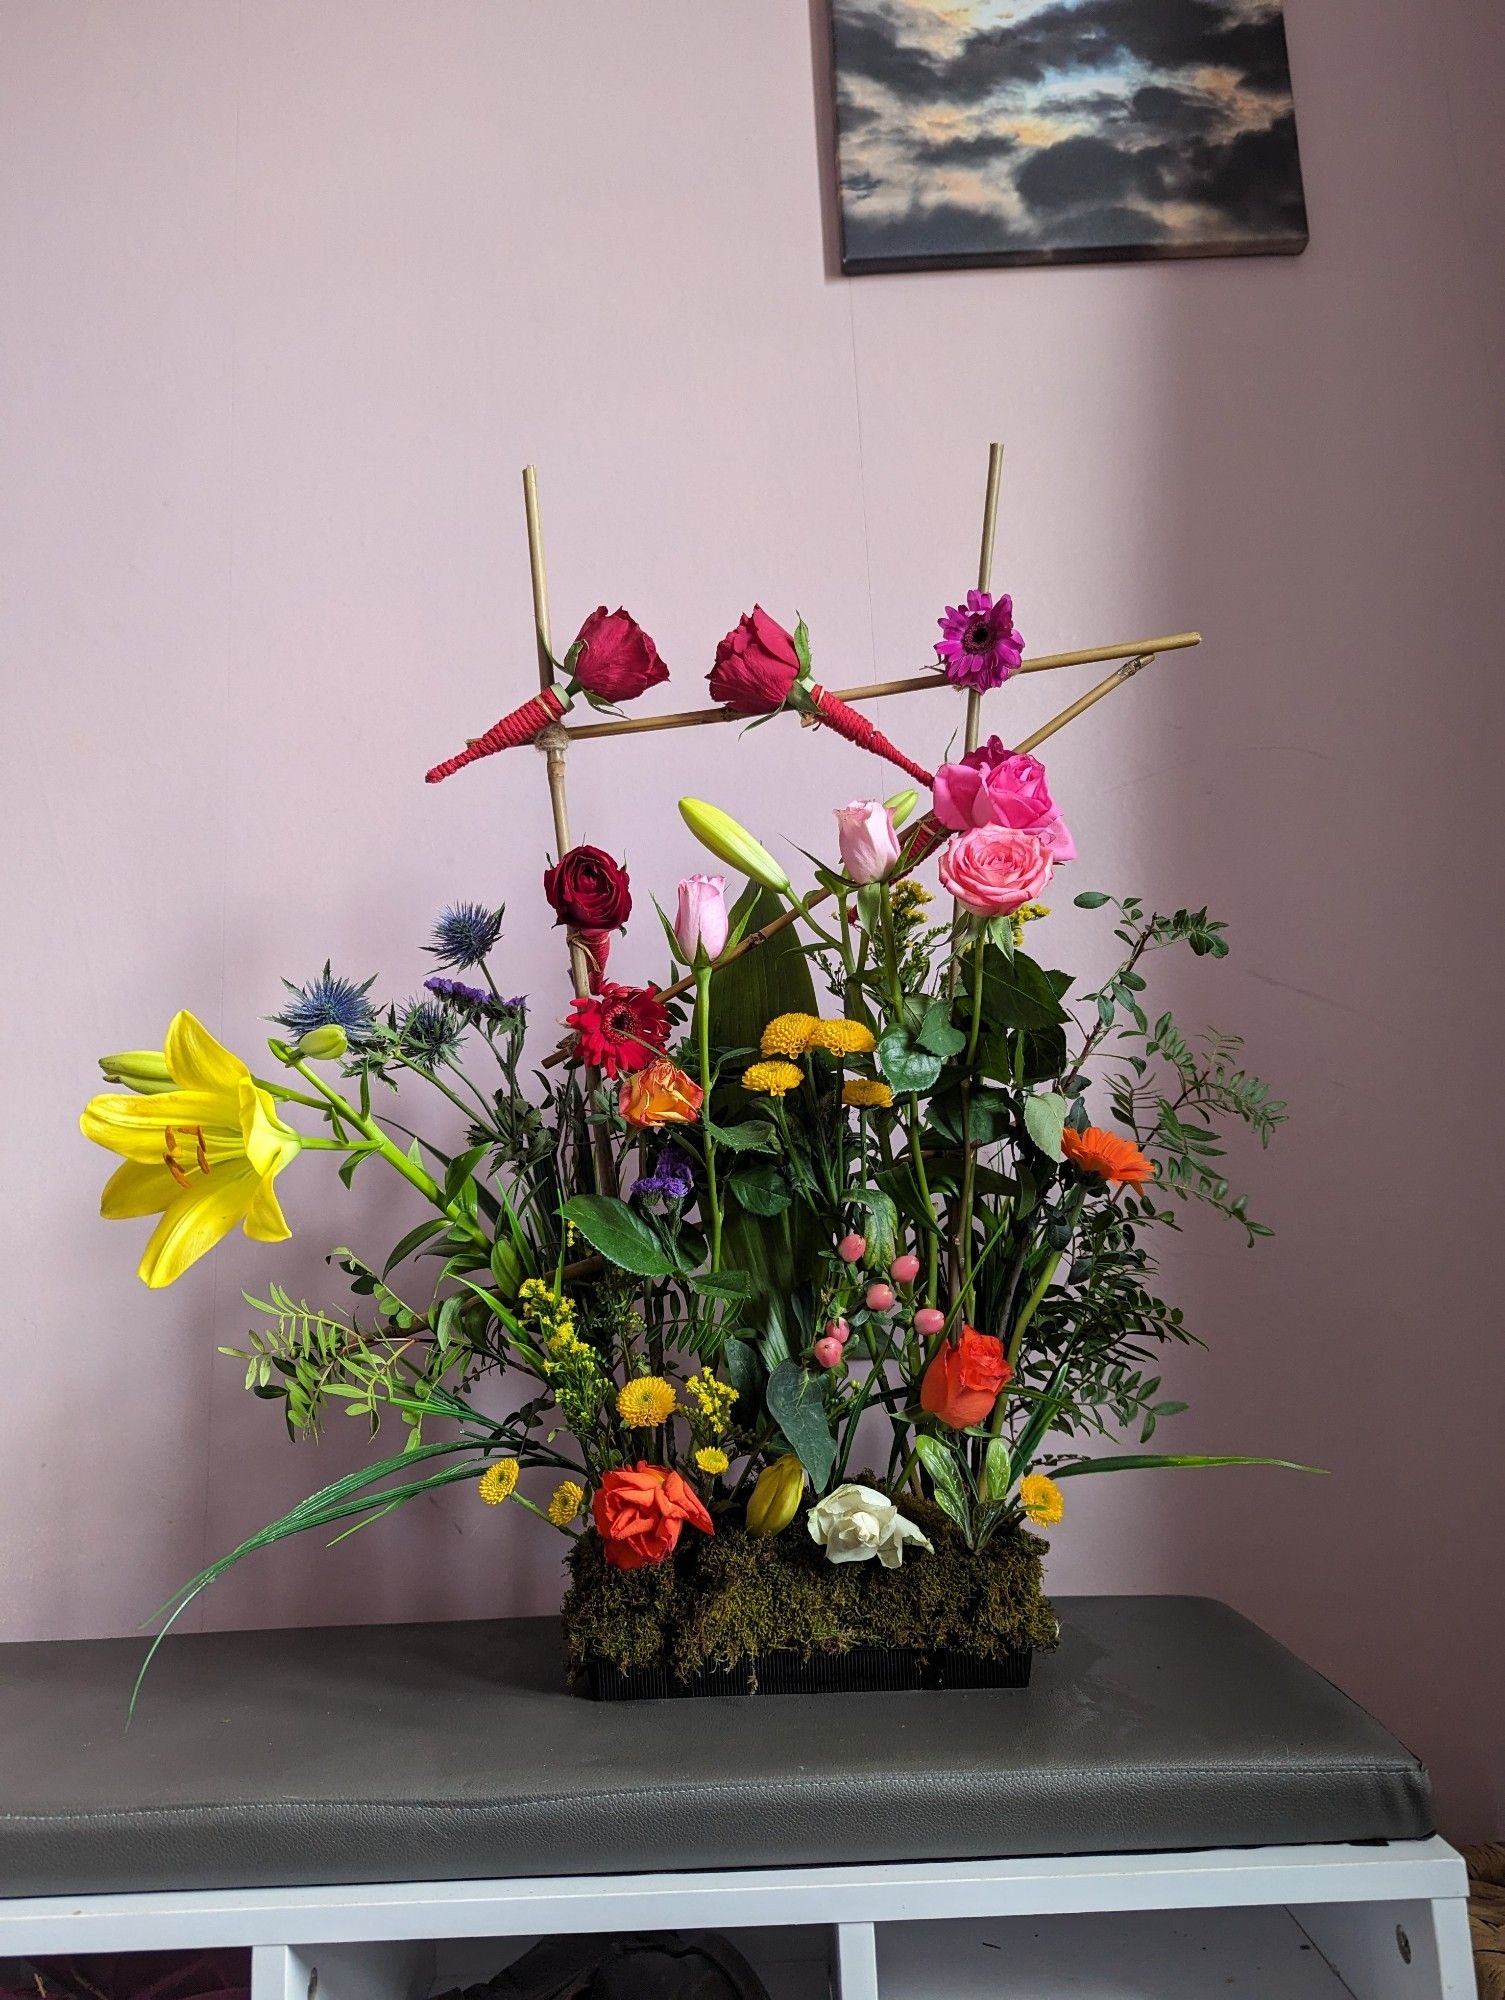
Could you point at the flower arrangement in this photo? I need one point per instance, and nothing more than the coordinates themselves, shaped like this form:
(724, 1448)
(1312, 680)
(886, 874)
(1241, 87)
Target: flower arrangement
(814, 1271)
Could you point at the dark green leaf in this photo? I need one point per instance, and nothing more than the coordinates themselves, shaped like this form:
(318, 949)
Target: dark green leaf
(761, 1188)
(622, 1236)
(948, 1480)
(796, 1402)
(1091, 899)
(936, 1033)
(906, 1066)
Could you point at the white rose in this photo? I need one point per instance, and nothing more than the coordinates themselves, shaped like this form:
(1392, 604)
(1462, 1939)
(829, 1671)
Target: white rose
(856, 1523)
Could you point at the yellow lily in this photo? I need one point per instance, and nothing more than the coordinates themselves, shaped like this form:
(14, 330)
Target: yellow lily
(202, 1154)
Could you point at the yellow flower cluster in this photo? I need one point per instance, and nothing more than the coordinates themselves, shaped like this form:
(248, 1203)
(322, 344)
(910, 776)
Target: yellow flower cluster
(646, 1402)
(866, 1093)
(773, 1079)
(910, 896)
(712, 1460)
(842, 1038)
(1041, 1499)
(567, 1500)
(1028, 913)
(787, 1035)
(711, 1404)
(497, 1482)
(539, 1305)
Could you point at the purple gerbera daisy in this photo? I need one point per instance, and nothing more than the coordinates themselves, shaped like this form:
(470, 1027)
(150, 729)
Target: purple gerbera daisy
(979, 647)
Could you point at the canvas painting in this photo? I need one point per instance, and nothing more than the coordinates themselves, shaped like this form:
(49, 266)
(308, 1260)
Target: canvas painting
(1036, 131)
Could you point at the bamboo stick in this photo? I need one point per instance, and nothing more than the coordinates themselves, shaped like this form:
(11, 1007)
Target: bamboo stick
(555, 742)
(1047, 729)
(698, 718)
(985, 576)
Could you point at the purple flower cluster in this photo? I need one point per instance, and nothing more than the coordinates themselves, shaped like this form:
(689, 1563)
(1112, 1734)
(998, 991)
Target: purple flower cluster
(979, 647)
(473, 1000)
(672, 1179)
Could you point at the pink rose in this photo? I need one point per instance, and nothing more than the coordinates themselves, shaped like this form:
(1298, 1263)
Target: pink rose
(701, 921)
(869, 844)
(996, 786)
(994, 870)
(756, 665)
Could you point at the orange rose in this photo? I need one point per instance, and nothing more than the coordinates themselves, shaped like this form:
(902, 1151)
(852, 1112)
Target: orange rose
(961, 1384)
(1107, 1156)
(639, 1511)
(660, 1095)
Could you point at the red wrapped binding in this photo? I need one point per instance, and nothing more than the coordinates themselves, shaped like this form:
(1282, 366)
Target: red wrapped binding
(597, 948)
(845, 720)
(522, 726)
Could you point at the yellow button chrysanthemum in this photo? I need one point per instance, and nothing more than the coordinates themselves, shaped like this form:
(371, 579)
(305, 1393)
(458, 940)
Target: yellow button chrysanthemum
(787, 1035)
(773, 1079)
(646, 1402)
(1041, 1499)
(866, 1093)
(712, 1460)
(842, 1038)
(497, 1482)
(565, 1503)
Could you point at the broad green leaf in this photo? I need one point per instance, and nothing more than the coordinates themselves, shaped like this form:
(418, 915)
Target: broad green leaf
(936, 1033)
(772, 979)
(751, 1135)
(947, 1478)
(622, 1236)
(1044, 1117)
(882, 1228)
(997, 1471)
(1091, 899)
(796, 1402)
(1016, 993)
(907, 1066)
(761, 1188)
(723, 1284)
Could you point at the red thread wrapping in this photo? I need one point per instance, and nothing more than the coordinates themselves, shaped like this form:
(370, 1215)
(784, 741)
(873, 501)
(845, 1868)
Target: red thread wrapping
(845, 720)
(522, 726)
(597, 948)
(920, 841)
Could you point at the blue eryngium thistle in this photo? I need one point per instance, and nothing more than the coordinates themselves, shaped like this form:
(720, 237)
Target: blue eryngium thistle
(464, 934)
(428, 1035)
(328, 1002)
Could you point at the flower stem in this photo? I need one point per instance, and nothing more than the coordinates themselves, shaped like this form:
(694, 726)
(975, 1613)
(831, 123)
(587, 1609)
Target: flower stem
(398, 1160)
(703, 1043)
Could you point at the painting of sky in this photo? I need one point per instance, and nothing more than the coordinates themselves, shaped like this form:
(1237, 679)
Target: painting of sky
(1032, 131)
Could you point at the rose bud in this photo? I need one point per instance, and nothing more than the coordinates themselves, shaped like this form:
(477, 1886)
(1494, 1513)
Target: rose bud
(852, 1249)
(928, 1321)
(756, 665)
(869, 844)
(613, 657)
(962, 1383)
(880, 1298)
(904, 1270)
(839, 1331)
(827, 1351)
(587, 890)
(701, 922)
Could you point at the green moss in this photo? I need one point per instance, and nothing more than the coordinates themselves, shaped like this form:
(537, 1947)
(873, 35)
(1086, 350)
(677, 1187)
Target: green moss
(734, 1594)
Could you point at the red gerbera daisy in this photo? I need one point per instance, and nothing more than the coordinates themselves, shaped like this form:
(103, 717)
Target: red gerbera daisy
(620, 1028)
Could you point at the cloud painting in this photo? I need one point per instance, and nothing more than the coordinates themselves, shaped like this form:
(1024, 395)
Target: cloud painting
(1035, 131)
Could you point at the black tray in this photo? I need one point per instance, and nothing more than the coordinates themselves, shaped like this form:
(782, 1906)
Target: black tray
(863, 1670)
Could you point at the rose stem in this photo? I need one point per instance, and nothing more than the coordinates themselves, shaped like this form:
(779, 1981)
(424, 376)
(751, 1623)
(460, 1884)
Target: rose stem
(555, 743)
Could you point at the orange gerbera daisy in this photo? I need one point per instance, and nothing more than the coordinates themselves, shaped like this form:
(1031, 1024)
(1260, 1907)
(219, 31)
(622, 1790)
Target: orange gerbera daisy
(1106, 1155)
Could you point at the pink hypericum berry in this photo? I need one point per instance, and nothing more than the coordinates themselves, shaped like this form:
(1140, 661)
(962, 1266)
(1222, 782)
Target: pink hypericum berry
(827, 1351)
(880, 1298)
(929, 1320)
(839, 1331)
(905, 1269)
(852, 1249)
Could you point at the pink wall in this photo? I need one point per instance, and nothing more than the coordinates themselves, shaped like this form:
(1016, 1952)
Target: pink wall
(290, 290)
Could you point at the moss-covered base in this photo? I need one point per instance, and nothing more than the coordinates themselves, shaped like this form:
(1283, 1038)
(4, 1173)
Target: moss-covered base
(726, 1597)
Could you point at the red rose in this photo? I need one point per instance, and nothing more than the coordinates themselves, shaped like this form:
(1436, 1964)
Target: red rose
(620, 1028)
(588, 890)
(617, 660)
(961, 1384)
(639, 1511)
(756, 665)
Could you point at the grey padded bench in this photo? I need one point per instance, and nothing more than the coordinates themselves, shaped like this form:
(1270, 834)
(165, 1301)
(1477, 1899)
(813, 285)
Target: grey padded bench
(352, 1798)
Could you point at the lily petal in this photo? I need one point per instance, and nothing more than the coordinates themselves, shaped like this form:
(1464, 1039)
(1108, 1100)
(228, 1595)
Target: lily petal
(267, 1143)
(134, 1127)
(197, 1061)
(196, 1219)
(265, 1222)
(137, 1189)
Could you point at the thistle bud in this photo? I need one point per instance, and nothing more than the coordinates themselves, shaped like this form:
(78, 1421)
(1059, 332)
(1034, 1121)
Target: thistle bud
(733, 844)
(776, 1497)
(142, 1070)
(324, 1044)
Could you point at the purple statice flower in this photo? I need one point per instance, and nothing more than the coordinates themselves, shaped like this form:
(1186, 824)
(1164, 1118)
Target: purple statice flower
(672, 1179)
(979, 647)
(457, 993)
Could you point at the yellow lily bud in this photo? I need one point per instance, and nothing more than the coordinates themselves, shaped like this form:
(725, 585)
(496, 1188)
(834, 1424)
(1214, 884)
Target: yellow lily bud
(902, 804)
(142, 1070)
(776, 1497)
(326, 1044)
(733, 844)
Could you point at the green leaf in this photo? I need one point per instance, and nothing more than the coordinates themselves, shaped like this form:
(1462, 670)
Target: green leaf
(723, 1284)
(622, 1236)
(745, 1371)
(774, 979)
(1044, 1118)
(752, 1135)
(936, 1033)
(1091, 899)
(997, 1471)
(907, 1066)
(1017, 993)
(1138, 1461)
(796, 1402)
(415, 1238)
(947, 1478)
(460, 1169)
(761, 1188)
(882, 1231)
